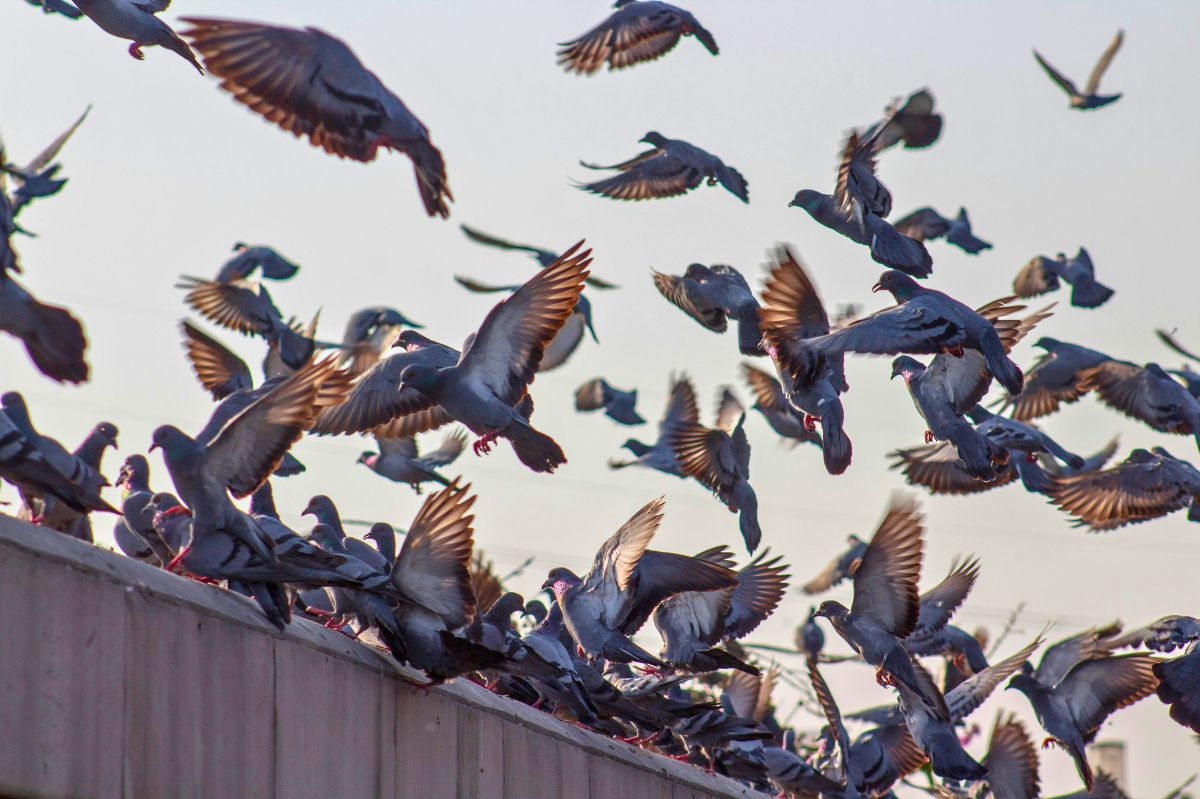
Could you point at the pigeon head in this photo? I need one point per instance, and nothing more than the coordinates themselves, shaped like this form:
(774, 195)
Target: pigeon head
(636, 447)
(14, 405)
(1047, 343)
(833, 610)
(1024, 682)
(385, 539)
(536, 609)
(421, 377)
(655, 138)
(238, 246)
(135, 472)
(322, 508)
(697, 272)
(368, 458)
(559, 580)
(808, 199)
(1157, 371)
(854, 539)
(106, 432)
(900, 285)
(410, 340)
(503, 608)
(173, 442)
(907, 366)
(323, 536)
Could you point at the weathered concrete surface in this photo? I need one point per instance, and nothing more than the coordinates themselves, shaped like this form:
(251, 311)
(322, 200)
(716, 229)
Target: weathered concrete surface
(120, 680)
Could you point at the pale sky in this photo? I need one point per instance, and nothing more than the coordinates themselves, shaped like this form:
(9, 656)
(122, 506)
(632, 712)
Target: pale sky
(168, 172)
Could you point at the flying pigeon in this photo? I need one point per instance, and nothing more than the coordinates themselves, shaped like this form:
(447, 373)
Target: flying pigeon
(52, 336)
(249, 258)
(886, 606)
(1145, 486)
(369, 333)
(626, 583)
(888, 246)
(672, 168)
(1042, 275)
(543, 256)
(681, 410)
(399, 460)
(937, 467)
(62, 7)
(935, 736)
(311, 84)
(792, 313)
(714, 295)
(858, 192)
(772, 403)
(1179, 686)
(39, 177)
(1147, 394)
(137, 22)
(926, 224)
(637, 31)
(913, 122)
(618, 405)
(1054, 380)
(1089, 98)
(842, 567)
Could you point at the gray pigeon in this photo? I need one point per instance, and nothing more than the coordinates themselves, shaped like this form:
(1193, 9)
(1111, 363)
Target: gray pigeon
(937, 468)
(926, 224)
(713, 295)
(923, 321)
(1089, 98)
(638, 31)
(543, 256)
(888, 246)
(626, 583)
(1042, 275)
(913, 122)
(810, 638)
(1147, 394)
(138, 23)
(52, 336)
(936, 736)
(672, 168)
(369, 333)
(311, 84)
(842, 567)
(39, 177)
(858, 192)
(1021, 438)
(1145, 486)
(793, 313)
(370, 610)
(269, 263)
(135, 528)
(618, 404)
(692, 623)
(886, 606)
(681, 409)
(772, 403)
(485, 388)
(1054, 379)
(57, 7)
(546, 658)
(91, 451)
(321, 508)
(1179, 686)
(399, 460)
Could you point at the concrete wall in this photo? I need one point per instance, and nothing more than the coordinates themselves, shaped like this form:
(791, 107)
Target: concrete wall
(120, 680)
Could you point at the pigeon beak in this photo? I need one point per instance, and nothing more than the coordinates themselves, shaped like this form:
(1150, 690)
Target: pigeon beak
(149, 508)
(877, 287)
(546, 585)
(793, 204)
(153, 447)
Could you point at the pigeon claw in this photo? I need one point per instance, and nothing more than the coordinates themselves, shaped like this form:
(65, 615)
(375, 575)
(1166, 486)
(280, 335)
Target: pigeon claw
(956, 350)
(1031, 457)
(1050, 742)
(929, 436)
(483, 445)
(178, 559)
(810, 422)
(884, 678)
(135, 50)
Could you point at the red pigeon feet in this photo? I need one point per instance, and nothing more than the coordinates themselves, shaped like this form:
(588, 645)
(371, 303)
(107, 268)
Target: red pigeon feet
(1031, 457)
(956, 350)
(1050, 742)
(929, 436)
(684, 758)
(810, 422)
(484, 444)
(135, 50)
(178, 559)
(884, 678)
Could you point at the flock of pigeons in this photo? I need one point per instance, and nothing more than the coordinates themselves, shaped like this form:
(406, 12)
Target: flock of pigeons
(433, 601)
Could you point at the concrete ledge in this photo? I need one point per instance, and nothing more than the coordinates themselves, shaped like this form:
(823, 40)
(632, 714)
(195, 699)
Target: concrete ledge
(118, 679)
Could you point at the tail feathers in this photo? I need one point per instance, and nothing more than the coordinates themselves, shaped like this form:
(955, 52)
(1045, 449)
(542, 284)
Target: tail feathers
(836, 449)
(622, 650)
(430, 169)
(726, 660)
(746, 502)
(463, 657)
(749, 335)
(56, 343)
(536, 450)
(579, 691)
(1090, 294)
(177, 45)
(272, 598)
(1001, 366)
(892, 248)
(1034, 477)
(1082, 766)
(949, 761)
(973, 453)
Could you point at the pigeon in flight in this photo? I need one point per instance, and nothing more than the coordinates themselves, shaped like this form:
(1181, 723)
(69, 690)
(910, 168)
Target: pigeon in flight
(39, 177)
(618, 405)
(1147, 394)
(935, 736)
(913, 122)
(772, 403)
(842, 567)
(713, 296)
(672, 168)
(369, 333)
(62, 7)
(926, 224)
(1145, 486)
(249, 258)
(1054, 380)
(137, 22)
(399, 460)
(53, 337)
(543, 256)
(638, 31)
(1090, 97)
(1042, 275)
(311, 84)
(681, 410)
(858, 191)
(888, 246)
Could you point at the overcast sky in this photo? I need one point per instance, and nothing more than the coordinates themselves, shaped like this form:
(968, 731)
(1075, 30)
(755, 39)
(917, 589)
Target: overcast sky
(168, 172)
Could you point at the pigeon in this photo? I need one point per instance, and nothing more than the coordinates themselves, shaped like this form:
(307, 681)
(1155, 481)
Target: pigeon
(924, 321)
(842, 567)
(1147, 394)
(1012, 760)
(692, 623)
(321, 508)
(858, 192)
(638, 31)
(926, 224)
(62, 7)
(483, 390)
(681, 410)
(938, 605)
(1179, 687)
(1089, 98)
(244, 441)
(90, 452)
(793, 313)
(1054, 379)
(618, 404)
(888, 246)
(935, 736)
(772, 403)
(135, 527)
(52, 336)
(626, 583)
(886, 606)
(1072, 707)
(1092, 463)
(810, 638)
(370, 610)
(368, 334)
(1022, 438)
(137, 22)
(398, 459)
(714, 295)
(1042, 275)
(39, 177)
(913, 122)
(937, 467)
(311, 84)
(543, 256)
(718, 458)
(1145, 486)
(547, 659)
(672, 168)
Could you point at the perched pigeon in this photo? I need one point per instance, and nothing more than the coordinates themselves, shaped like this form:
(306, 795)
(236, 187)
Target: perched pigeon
(321, 508)
(714, 295)
(398, 459)
(692, 623)
(672, 168)
(618, 404)
(369, 333)
(842, 567)
(639, 30)
(792, 314)
(137, 22)
(626, 583)
(1089, 98)
(886, 606)
(52, 336)
(718, 458)
(542, 256)
(370, 610)
(772, 403)
(888, 246)
(1042, 275)
(926, 224)
(90, 452)
(1054, 379)
(1145, 486)
(1072, 707)
(1147, 394)
(681, 410)
(913, 122)
(135, 527)
(311, 84)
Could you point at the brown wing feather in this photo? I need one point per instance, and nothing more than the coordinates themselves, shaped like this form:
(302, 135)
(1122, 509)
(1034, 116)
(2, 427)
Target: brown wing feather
(885, 585)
